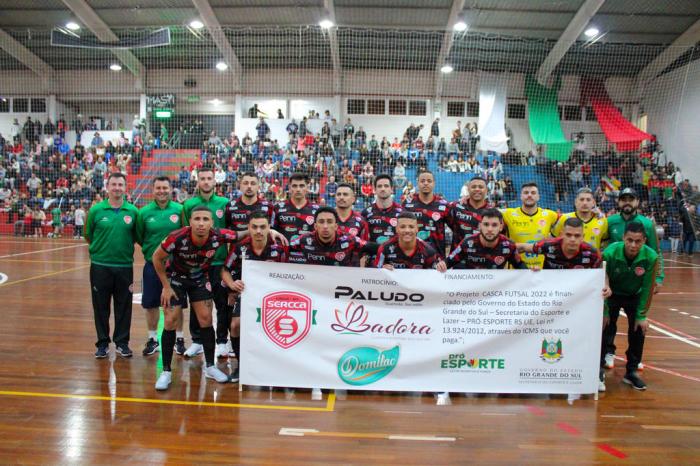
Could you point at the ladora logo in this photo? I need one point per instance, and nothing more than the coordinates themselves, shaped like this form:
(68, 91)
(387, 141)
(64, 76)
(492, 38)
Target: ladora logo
(354, 321)
(366, 365)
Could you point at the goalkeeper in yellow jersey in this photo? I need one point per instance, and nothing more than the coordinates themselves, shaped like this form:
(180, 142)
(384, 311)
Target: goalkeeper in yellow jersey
(529, 223)
(595, 227)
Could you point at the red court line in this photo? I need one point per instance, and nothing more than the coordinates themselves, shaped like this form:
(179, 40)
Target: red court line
(536, 410)
(613, 451)
(671, 329)
(665, 371)
(568, 428)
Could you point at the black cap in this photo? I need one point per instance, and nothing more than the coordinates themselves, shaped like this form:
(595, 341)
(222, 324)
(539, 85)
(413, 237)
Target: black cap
(629, 192)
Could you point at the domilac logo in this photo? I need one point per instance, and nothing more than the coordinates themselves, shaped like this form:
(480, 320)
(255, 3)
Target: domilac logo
(286, 317)
(366, 365)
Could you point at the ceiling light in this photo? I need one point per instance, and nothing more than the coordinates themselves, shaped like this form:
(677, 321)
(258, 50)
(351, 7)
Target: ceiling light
(460, 26)
(72, 26)
(115, 67)
(196, 24)
(591, 32)
(326, 23)
(216, 102)
(447, 69)
(221, 66)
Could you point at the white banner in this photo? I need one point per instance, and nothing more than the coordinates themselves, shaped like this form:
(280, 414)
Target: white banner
(497, 331)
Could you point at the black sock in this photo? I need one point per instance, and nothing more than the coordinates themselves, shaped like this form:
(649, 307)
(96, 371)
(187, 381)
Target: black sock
(209, 342)
(236, 346)
(167, 339)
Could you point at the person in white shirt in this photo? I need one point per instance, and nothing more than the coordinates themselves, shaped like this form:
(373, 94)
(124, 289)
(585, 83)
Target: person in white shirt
(79, 222)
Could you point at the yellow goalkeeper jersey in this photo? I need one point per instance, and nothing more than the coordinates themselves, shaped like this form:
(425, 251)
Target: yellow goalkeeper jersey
(594, 231)
(524, 228)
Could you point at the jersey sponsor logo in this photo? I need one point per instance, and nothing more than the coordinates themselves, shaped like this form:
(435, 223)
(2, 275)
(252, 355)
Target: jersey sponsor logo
(174, 218)
(639, 271)
(596, 231)
(127, 219)
(220, 213)
(286, 317)
(499, 260)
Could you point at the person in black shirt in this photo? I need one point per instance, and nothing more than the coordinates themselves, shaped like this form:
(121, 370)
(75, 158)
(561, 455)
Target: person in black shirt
(406, 251)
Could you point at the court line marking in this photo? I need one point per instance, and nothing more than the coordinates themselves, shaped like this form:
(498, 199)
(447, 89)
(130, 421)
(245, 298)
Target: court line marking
(681, 262)
(665, 371)
(44, 275)
(616, 415)
(498, 414)
(37, 241)
(33, 261)
(43, 250)
(328, 408)
(655, 324)
(671, 427)
(300, 432)
(404, 412)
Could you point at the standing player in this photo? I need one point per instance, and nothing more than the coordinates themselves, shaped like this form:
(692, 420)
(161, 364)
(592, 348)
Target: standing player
(295, 216)
(258, 246)
(632, 267)
(569, 251)
(595, 228)
(465, 217)
(431, 210)
(110, 231)
(406, 251)
(217, 204)
(487, 249)
(529, 223)
(190, 252)
(381, 217)
(154, 223)
(349, 221)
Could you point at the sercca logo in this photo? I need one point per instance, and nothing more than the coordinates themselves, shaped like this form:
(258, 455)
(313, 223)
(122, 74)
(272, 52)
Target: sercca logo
(286, 317)
(366, 365)
(551, 351)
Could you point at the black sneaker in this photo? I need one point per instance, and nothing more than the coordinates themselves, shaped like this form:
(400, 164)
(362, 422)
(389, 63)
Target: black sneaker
(102, 352)
(631, 378)
(180, 346)
(151, 347)
(233, 378)
(124, 351)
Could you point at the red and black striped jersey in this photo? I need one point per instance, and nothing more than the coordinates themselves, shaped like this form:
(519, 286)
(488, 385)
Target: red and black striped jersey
(432, 219)
(424, 256)
(472, 254)
(355, 224)
(237, 213)
(382, 222)
(464, 220)
(587, 256)
(293, 222)
(273, 252)
(189, 260)
(308, 249)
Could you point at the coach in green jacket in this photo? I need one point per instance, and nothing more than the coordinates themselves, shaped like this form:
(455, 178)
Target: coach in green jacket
(110, 230)
(631, 267)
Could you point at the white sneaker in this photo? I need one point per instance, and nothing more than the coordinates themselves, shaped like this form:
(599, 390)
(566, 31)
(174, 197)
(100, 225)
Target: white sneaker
(443, 399)
(164, 380)
(640, 366)
(221, 350)
(609, 361)
(194, 350)
(213, 372)
(601, 381)
(316, 394)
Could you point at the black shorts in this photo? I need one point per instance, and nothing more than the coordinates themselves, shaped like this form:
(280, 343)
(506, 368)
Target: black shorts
(152, 288)
(197, 290)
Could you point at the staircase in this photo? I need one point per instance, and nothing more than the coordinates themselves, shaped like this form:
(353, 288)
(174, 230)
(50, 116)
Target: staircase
(163, 162)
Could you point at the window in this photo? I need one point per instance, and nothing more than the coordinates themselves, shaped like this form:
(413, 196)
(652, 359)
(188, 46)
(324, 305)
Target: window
(20, 105)
(356, 107)
(516, 111)
(417, 107)
(590, 114)
(376, 107)
(397, 107)
(4, 105)
(572, 113)
(472, 109)
(455, 109)
(38, 105)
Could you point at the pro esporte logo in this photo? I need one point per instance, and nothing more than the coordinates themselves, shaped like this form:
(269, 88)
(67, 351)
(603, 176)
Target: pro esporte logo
(551, 351)
(461, 361)
(365, 365)
(286, 317)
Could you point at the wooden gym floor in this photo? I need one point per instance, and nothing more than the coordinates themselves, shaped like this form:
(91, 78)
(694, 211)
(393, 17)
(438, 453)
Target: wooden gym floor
(60, 405)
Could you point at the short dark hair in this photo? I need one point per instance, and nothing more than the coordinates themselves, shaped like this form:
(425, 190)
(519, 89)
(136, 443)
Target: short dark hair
(249, 173)
(346, 185)
(492, 213)
(384, 176)
(573, 222)
(299, 176)
(326, 210)
(407, 215)
(206, 168)
(258, 214)
(115, 175)
(584, 190)
(530, 184)
(162, 178)
(635, 227)
(201, 208)
(476, 178)
(424, 172)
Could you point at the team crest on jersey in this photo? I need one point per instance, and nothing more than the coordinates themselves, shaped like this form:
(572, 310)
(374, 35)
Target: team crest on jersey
(210, 254)
(393, 222)
(435, 216)
(208, 286)
(220, 213)
(339, 256)
(174, 218)
(353, 231)
(639, 271)
(543, 222)
(499, 260)
(310, 220)
(596, 231)
(286, 317)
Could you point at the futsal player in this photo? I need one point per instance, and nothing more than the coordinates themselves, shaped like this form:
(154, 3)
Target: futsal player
(349, 221)
(465, 217)
(595, 227)
(110, 231)
(295, 216)
(381, 217)
(569, 251)
(431, 210)
(155, 221)
(406, 251)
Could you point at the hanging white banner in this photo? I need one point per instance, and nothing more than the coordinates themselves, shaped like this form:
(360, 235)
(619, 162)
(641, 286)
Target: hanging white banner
(497, 331)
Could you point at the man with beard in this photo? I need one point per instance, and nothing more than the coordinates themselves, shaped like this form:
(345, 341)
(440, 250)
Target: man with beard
(349, 221)
(487, 249)
(406, 251)
(465, 217)
(529, 223)
(381, 217)
(431, 210)
(295, 216)
(595, 228)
